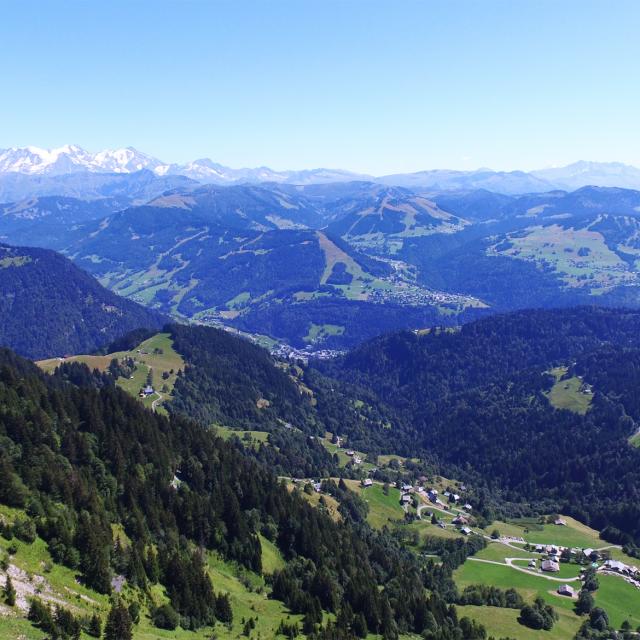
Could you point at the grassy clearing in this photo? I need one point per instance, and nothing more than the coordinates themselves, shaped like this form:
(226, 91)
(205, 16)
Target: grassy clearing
(426, 529)
(382, 508)
(271, 557)
(498, 552)
(158, 356)
(575, 534)
(619, 599)
(598, 270)
(330, 503)
(249, 438)
(569, 393)
(155, 354)
(504, 623)
(320, 332)
(530, 586)
(343, 458)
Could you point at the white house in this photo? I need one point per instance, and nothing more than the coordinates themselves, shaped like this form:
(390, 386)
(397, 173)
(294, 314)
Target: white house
(566, 590)
(550, 565)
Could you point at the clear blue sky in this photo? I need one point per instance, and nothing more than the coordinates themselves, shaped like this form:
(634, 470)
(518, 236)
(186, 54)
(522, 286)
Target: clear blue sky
(372, 86)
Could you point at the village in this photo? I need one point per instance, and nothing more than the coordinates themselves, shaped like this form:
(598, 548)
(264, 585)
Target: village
(448, 510)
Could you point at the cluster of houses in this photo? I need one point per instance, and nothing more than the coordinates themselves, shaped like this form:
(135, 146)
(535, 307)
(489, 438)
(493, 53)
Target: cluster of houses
(630, 573)
(355, 458)
(552, 564)
(461, 520)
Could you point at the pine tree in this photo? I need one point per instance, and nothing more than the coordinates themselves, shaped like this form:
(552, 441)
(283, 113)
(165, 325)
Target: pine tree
(118, 626)
(95, 626)
(224, 613)
(9, 592)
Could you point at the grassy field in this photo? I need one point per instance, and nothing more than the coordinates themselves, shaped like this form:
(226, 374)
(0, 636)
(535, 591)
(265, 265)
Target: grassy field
(575, 534)
(619, 599)
(320, 332)
(382, 508)
(343, 458)
(313, 498)
(568, 393)
(158, 356)
(155, 354)
(249, 438)
(498, 552)
(557, 247)
(504, 623)
(530, 586)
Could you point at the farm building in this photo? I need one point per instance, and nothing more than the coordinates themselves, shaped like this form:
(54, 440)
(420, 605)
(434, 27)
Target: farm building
(550, 565)
(566, 590)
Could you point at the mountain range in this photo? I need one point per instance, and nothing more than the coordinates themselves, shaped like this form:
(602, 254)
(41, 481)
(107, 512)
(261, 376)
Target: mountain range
(72, 159)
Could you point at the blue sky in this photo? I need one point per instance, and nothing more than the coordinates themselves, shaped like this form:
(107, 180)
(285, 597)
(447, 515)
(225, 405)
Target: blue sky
(377, 87)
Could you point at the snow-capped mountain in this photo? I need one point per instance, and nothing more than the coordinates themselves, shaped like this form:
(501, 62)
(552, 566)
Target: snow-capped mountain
(73, 159)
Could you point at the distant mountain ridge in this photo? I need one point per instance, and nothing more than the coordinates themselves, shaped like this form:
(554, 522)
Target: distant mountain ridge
(72, 159)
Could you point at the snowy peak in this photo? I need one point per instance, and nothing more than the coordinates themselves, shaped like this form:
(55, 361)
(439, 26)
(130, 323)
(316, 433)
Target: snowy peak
(73, 159)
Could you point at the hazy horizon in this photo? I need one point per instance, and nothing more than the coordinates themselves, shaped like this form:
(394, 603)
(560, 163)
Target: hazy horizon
(373, 87)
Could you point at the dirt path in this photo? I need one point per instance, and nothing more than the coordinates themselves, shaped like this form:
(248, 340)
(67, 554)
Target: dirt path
(154, 404)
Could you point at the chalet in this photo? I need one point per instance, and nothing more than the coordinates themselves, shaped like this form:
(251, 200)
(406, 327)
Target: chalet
(539, 548)
(317, 487)
(590, 553)
(407, 487)
(532, 563)
(442, 525)
(446, 494)
(466, 530)
(357, 460)
(367, 482)
(455, 497)
(566, 590)
(615, 565)
(467, 507)
(460, 520)
(550, 565)
(406, 499)
(463, 488)
(350, 452)
(560, 522)
(148, 390)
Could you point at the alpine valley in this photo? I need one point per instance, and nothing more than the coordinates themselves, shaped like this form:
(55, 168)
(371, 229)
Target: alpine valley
(317, 404)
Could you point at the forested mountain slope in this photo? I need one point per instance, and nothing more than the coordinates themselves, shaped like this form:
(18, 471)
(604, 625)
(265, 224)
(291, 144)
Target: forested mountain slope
(49, 307)
(85, 459)
(479, 399)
